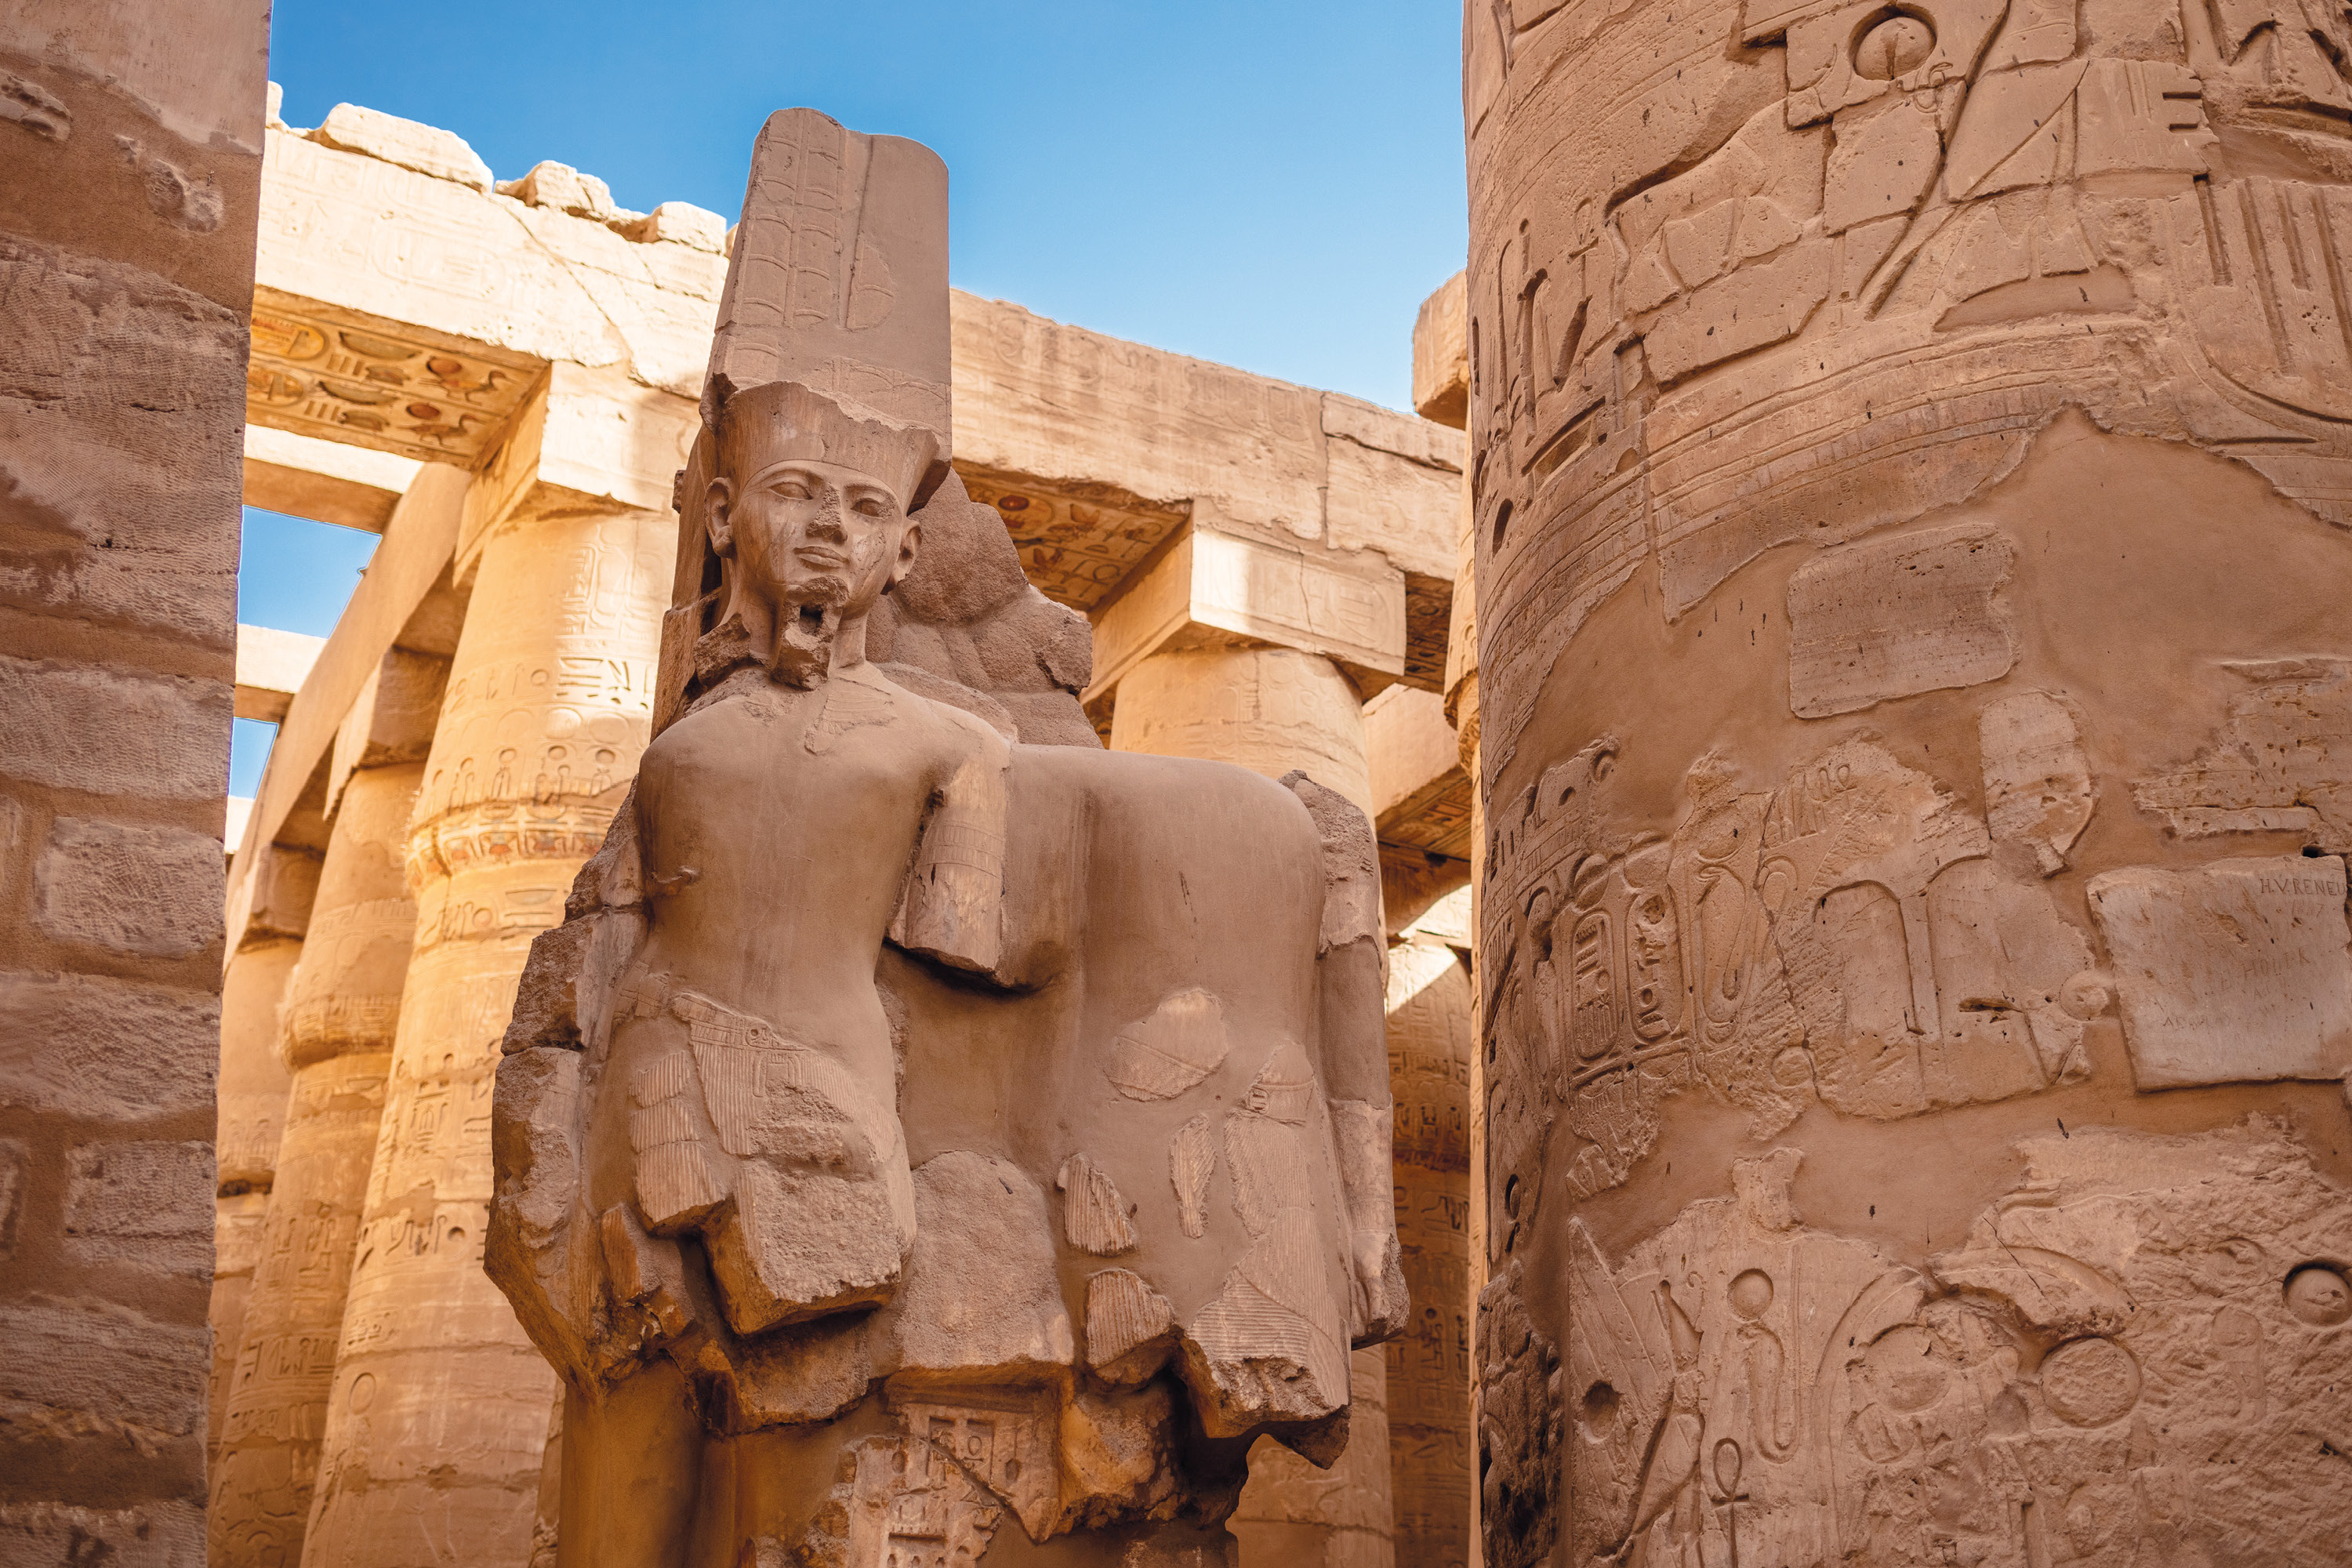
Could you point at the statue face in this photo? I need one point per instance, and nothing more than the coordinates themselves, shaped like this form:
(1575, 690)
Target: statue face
(812, 533)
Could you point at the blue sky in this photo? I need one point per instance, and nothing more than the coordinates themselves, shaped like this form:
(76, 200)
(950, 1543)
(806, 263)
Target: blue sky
(1275, 185)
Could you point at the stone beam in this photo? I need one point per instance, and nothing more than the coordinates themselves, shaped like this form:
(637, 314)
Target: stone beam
(271, 666)
(1096, 452)
(1441, 355)
(410, 313)
(324, 480)
(1421, 796)
(396, 594)
(1421, 803)
(407, 305)
(1210, 588)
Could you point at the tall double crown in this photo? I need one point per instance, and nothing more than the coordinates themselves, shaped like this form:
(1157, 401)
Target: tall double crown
(832, 341)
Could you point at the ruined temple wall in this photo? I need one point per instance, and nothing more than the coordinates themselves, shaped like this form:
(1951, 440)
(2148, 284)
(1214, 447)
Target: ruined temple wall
(1910, 455)
(131, 140)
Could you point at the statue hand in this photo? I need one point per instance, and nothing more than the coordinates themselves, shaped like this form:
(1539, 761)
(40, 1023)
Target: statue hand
(1384, 1304)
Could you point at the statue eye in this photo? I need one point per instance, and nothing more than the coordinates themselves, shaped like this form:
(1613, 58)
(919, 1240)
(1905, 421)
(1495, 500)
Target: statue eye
(790, 489)
(872, 505)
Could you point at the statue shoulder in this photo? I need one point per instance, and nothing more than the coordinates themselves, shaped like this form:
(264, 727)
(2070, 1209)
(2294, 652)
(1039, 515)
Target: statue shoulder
(962, 733)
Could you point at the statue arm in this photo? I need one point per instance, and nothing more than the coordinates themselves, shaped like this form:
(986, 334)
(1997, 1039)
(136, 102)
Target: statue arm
(544, 1249)
(1351, 963)
(951, 910)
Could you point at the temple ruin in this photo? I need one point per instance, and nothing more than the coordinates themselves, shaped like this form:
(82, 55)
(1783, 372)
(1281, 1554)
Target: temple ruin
(1853, 642)
(1268, 573)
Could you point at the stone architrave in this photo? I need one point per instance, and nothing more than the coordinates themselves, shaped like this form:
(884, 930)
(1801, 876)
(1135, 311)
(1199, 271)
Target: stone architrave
(338, 1025)
(1910, 452)
(779, 1191)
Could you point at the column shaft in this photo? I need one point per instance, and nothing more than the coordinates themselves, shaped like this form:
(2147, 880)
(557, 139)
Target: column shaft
(336, 1037)
(252, 1105)
(1429, 1367)
(438, 1413)
(1268, 709)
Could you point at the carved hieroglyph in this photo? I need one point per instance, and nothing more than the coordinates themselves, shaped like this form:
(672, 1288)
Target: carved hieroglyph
(1910, 454)
(902, 1061)
(2117, 1362)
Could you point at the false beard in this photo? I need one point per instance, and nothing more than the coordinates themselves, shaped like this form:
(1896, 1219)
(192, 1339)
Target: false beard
(802, 653)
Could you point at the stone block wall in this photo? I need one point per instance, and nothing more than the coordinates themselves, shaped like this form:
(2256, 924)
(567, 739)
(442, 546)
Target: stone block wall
(130, 170)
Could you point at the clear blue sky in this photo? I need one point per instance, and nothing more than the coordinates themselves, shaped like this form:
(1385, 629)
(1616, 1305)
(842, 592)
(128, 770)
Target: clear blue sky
(1275, 185)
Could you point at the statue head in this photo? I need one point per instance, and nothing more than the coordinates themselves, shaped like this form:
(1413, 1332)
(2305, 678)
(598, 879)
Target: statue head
(810, 507)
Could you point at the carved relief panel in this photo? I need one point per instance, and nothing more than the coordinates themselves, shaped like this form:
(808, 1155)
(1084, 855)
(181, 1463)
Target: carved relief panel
(1910, 470)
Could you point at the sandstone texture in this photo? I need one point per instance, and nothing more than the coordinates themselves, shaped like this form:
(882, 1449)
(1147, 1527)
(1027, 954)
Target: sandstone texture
(131, 138)
(1908, 462)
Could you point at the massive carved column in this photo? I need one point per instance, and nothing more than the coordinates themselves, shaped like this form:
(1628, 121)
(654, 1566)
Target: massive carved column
(439, 1405)
(251, 1096)
(927, 1128)
(1913, 451)
(339, 1019)
(1430, 1034)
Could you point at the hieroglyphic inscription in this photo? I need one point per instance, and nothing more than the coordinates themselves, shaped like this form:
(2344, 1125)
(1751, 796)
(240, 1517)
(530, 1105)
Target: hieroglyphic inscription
(1848, 936)
(2054, 1390)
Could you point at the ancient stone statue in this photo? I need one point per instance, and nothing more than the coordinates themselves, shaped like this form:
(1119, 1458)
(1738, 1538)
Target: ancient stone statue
(1912, 449)
(923, 1114)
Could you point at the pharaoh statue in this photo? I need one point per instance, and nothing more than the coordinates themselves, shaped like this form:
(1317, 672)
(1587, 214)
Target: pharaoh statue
(923, 1115)
(1912, 452)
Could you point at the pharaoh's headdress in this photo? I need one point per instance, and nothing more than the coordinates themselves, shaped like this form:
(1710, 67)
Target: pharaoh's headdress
(832, 343)
(832, 340)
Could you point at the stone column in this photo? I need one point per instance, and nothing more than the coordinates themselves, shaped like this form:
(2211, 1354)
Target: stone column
(1430, 1037)
(252, 1105)
(1273, 710)
(1914, 452)
(336, 1038)
(438, 1413)
(1462, 712)
(1269, 709)
(129, 165)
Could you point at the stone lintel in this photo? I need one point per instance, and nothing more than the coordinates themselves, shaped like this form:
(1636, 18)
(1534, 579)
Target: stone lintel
(407, 567)
(1441, 355)
(271, 666)
(325, 480)
(1421, 796)
(336, 372)
(1210, 587)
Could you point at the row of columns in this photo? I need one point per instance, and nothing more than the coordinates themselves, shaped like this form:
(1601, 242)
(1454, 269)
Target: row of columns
(382, 1407)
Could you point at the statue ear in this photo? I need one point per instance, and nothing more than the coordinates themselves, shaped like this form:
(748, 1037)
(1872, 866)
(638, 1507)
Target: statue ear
(910, 543)
(718, 517)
